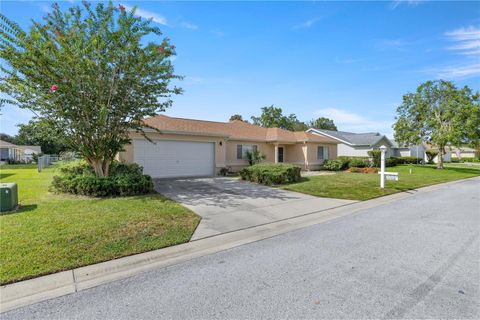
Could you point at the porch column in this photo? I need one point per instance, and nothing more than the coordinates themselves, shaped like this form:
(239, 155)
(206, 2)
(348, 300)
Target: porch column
(305, 155)
(276, 153)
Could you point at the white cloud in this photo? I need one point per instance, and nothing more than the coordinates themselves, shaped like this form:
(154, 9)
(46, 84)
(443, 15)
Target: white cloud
(46, 8)
(465, 43)
(189, 25)
(467, 40)
(148, 15)
(306, 24)
(393, 44)
(352, 122)
(397, 3)
(457, 72)
(218, 33)
(347, 60)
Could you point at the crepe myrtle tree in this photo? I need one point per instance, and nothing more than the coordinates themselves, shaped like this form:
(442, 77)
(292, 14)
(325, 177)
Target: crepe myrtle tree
(89, 72)
(441, 114)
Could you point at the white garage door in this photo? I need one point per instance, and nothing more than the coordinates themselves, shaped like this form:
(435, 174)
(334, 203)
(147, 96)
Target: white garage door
(169, 159)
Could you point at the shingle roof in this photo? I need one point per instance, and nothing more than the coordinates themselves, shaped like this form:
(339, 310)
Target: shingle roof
(368, 138)
(234, 130)
(5, 144)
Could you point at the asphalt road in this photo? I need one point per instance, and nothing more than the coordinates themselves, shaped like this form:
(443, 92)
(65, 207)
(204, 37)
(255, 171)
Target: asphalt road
(415, 258)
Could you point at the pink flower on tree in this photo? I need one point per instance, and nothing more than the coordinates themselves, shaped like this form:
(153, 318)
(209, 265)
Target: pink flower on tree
(161, 49)
(53, 88)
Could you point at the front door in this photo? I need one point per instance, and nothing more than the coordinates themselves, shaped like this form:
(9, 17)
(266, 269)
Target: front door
(280, 154)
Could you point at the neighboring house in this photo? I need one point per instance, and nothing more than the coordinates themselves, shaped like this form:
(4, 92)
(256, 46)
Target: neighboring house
(356, 144)
(401, 150)
(454, 153)
(29, 151)
(10, 151)
(463, 152)
(186, 147)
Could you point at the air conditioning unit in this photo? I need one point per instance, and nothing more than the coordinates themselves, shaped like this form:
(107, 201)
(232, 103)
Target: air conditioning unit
(8, 197)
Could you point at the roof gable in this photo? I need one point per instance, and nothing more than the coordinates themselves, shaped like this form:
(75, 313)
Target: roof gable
(352, 139)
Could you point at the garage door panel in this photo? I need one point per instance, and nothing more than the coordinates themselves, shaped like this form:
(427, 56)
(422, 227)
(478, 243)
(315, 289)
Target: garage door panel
(168, 158)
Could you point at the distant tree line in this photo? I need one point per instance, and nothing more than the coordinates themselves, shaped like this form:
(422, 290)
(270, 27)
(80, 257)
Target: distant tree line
(37, 133)
(273, 117)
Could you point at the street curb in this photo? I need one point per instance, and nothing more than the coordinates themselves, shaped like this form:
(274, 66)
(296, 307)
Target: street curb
(31, 291)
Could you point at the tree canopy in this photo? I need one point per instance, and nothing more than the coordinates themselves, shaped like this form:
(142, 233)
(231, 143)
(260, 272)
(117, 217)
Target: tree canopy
(237, 117)
(89, 73)
(323, 123)
(441, 114)
(43, 134)
(273, 117)
(7, 138)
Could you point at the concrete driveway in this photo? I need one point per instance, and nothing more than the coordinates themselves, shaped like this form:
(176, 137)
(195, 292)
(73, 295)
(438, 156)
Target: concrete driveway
(227, 205)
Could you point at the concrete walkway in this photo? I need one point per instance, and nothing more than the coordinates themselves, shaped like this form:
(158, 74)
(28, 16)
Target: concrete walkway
(227, 205)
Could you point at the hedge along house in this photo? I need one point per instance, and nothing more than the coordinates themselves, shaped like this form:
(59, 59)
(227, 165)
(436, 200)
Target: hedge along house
(193, 148)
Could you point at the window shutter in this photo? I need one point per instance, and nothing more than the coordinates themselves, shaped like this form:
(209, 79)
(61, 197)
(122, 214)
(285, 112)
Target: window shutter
(325, 153)
(239, 151)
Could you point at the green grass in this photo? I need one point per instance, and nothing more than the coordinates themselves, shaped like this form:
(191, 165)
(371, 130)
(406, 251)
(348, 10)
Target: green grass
(51, 232)
(362, 186)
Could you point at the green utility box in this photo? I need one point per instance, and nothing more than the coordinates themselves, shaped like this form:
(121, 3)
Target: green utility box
(8, 196)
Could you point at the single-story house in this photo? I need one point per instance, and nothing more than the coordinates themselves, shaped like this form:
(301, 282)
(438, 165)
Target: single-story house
(29, 151)
(10, 151)
(463, 152)
(187, 147)
(356, 144)
(401, 150)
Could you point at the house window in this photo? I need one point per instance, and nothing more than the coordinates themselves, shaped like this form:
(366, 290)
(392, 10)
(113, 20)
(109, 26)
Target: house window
(242, 150)
(322, 153)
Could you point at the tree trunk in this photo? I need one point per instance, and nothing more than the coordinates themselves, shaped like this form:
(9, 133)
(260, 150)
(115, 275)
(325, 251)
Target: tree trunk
(106, 167)
(441, 151)
(97, 165)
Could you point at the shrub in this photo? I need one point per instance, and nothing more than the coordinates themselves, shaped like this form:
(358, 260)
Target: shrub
(254, 157)
(124, 180)
(391, 162)
(269, 173)
(431, 154)
(408, 160)
(223, 171)
(334, 165)
(376, 157)
(465, 159)
(352, 161)
(359, 162)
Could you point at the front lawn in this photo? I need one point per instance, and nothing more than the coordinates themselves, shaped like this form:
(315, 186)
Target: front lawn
(362, 186)
(51, 232)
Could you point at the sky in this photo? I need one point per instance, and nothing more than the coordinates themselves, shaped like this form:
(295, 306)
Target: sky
(348, 61)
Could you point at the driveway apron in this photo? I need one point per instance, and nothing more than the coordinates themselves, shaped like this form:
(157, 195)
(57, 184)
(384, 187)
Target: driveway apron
(227, 204)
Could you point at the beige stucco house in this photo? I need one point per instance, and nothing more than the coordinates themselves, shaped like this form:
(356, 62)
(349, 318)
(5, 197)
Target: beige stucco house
(186, 147)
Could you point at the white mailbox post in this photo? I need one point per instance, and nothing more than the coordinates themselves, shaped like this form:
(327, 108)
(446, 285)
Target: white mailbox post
(382, 166)
(382, 173)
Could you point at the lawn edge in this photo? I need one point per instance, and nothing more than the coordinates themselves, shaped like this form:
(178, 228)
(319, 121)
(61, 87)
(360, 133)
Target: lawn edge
(380, 196)
(43, 288)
